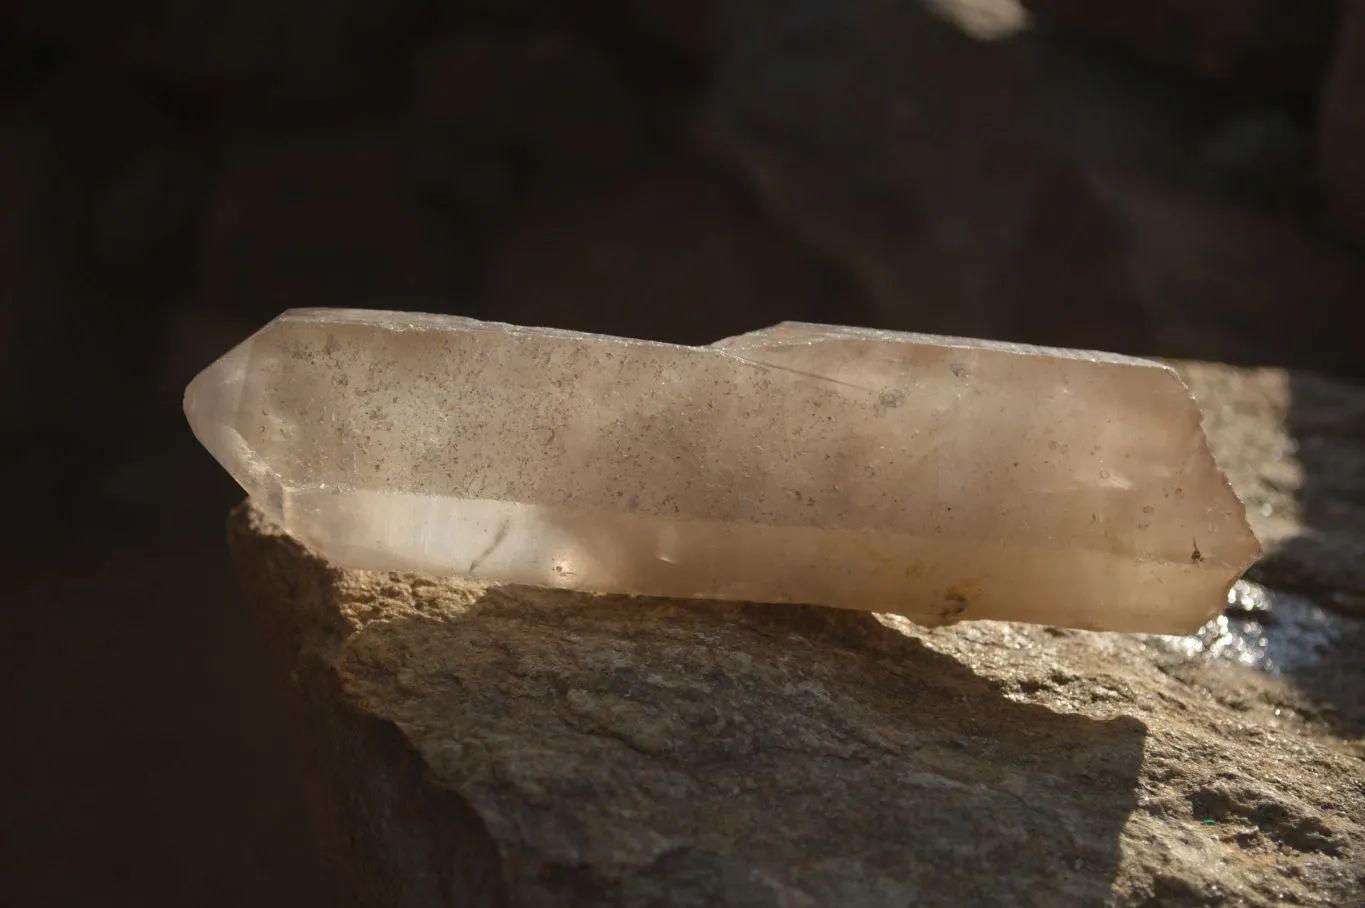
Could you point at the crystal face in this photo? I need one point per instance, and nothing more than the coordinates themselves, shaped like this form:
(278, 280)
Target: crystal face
(937, 478)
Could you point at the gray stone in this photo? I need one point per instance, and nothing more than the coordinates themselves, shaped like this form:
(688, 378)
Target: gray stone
(510, 746)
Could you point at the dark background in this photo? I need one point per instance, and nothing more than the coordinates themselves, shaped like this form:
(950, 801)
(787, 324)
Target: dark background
(1177, 178)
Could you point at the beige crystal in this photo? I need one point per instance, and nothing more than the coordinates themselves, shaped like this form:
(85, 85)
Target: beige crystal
(938, 478)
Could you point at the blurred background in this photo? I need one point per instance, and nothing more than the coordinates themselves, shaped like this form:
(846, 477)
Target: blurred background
(1170, 177)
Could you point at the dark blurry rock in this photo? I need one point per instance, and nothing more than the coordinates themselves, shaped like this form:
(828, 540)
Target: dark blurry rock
(21, 252)
(145, 220)
(1221, 281)
(82, 332)
(1025, 188)
(39, 243)
(327, 218)
(484, 101)
(689, 24)
(299, 50)
(136, 178)
(1262, 157)
(524, 747)
(1270, 47)
(1342, 144)
(900, 146)
(675, 252)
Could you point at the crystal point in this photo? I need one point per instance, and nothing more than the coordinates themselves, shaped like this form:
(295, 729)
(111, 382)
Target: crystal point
(937, 478)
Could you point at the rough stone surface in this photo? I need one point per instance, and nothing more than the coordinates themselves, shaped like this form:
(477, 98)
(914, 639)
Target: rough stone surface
(1342, 142)
(510, 746)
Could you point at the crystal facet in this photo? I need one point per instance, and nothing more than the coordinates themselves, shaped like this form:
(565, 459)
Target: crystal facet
(937, 478)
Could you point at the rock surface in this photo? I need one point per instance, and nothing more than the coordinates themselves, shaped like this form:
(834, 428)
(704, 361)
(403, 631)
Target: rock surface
(513, 746)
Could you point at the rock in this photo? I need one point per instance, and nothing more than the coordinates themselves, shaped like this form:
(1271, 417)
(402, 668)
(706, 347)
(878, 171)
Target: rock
(672, 251)
(516, 746)
(1342, 140)
(317, 219)
(1051, 195)
(1270, 47)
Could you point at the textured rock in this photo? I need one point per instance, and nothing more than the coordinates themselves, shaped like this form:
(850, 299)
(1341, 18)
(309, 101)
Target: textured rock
(938, 478)
(510, 746)
(1342, 142)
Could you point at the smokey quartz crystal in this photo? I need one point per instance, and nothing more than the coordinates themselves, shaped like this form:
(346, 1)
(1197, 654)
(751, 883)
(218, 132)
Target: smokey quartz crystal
(938, 478)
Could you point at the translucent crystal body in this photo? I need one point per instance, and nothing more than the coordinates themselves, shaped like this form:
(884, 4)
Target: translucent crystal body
(938, 478)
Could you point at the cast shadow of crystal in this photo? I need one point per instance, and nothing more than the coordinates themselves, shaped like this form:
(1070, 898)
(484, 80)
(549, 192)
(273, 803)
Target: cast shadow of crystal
(641, 751)
(1319, 648)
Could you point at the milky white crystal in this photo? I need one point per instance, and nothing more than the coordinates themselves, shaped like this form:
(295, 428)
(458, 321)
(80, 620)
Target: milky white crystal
(938, 478)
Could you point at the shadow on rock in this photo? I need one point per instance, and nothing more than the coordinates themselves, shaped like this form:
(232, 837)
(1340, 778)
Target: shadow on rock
(628, 752)
(1325, 561)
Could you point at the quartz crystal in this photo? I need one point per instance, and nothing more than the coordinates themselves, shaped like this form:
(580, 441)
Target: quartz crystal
(937, 478)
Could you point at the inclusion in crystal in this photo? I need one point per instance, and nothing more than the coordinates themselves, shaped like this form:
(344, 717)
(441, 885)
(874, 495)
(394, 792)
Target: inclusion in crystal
(937, 478)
